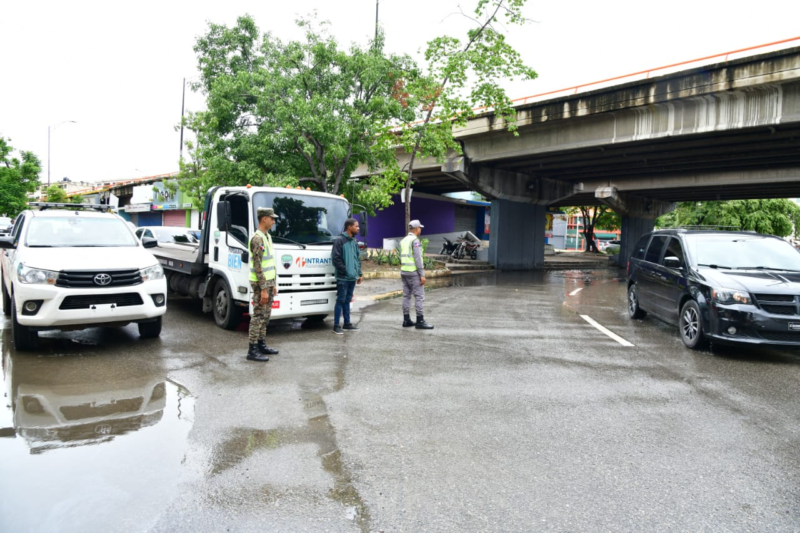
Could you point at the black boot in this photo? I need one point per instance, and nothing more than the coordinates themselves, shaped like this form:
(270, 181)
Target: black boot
(266, 350)
(254, 355)
(421, 324)
(407, 323)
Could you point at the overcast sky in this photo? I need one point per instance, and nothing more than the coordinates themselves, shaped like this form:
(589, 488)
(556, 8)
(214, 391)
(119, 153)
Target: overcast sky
(117, 68)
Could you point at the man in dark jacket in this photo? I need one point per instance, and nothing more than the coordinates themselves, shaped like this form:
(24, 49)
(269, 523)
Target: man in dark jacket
(347, 263)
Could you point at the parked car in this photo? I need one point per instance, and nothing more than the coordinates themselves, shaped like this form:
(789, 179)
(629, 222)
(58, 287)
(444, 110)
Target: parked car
(719, 286)
(78, 269)
(168, 234)
(5, 225)
(612, 247)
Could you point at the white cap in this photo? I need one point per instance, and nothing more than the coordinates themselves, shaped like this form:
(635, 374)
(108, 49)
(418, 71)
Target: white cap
(415, 224)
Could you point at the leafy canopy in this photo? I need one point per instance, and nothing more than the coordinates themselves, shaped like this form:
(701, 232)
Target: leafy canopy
(779, 217)
(460, 76)
(286, 113)
(19, 177)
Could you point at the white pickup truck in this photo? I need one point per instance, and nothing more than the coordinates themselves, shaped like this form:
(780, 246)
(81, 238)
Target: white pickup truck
(75, 268)
(216, 269)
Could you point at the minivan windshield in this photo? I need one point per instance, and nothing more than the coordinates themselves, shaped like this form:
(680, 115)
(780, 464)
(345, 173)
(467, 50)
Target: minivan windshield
(78, 231)
(737, 251)
(303, 219)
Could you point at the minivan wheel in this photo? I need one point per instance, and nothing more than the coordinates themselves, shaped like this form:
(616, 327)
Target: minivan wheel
(24, 337)
(634, 311)
(691, 326)
(227, 315)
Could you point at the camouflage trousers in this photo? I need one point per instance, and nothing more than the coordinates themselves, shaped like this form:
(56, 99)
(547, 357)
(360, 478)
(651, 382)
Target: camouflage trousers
(261, 313)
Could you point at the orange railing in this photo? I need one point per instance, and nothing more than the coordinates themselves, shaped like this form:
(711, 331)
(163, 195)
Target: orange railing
(647, 73)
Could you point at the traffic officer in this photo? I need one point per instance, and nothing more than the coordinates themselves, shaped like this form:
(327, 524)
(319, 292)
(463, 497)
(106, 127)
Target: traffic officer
(263, 284)
(412, 275)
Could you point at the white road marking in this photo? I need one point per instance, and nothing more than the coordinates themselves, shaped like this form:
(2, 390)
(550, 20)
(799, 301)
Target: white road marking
(605, 330)
(576, 291)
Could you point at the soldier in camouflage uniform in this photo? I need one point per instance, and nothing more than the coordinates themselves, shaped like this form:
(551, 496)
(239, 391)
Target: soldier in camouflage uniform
(264, 285)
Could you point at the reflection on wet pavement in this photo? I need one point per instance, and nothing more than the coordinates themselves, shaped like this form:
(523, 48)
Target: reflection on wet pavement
(81, 433)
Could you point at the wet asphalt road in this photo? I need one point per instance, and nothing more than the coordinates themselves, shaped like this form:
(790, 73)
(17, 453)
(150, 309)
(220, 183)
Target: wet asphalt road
(514, 414)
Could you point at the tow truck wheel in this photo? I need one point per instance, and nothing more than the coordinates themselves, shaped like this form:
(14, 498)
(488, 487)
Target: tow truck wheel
(150, 329)
(24, 338)
(6, 298)
(227, 315)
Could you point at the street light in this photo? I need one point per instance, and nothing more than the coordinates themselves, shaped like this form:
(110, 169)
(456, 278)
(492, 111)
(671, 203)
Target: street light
(48, 145)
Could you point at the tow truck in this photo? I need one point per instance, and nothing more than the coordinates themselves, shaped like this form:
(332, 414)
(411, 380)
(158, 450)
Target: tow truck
(216, 270)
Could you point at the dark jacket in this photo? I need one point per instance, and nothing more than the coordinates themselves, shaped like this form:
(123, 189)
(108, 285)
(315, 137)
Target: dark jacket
(345, 258)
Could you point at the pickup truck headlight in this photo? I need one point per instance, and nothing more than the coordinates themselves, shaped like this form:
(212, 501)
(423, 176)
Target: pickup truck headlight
(730, 296)
(151, 273)
(27, 274)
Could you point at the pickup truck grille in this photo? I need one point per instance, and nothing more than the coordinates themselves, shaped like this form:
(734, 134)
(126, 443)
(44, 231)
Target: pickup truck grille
(87, 301)
(85, 279)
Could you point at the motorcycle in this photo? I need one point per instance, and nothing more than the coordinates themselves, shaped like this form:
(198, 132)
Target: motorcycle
(468, 245)
(448, 247)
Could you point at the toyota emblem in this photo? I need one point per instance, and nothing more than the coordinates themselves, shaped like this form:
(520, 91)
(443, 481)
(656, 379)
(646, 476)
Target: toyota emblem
(102, 279)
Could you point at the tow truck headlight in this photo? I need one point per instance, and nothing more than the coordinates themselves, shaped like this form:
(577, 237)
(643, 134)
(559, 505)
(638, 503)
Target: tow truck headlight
(151, 273)
(29, 275)
(730, 296)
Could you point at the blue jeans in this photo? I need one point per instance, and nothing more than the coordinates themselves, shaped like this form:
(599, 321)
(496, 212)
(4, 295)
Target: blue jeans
(344, 293)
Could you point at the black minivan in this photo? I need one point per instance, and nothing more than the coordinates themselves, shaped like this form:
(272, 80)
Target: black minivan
(728, 287)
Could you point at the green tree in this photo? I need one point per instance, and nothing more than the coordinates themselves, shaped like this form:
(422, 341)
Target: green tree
(291, 113)
(594, 217)
(19, 177)
(56, 194)
(77, 199)
(461, 75)
(779, 217)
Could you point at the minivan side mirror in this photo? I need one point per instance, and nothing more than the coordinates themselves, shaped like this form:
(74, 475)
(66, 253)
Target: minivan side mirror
(672, 262)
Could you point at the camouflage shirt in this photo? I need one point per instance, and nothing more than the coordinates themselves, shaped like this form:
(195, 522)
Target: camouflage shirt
(257, 249)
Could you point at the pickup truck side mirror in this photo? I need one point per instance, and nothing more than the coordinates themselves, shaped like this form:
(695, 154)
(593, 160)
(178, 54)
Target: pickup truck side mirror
(223, 216)
(7, 241)
(672, 262)
(149, 242)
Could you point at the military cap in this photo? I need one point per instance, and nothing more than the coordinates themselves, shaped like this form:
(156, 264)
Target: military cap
(266, 212)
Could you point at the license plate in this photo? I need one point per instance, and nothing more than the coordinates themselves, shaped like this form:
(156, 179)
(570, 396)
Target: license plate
(794, 326)
(313, 302)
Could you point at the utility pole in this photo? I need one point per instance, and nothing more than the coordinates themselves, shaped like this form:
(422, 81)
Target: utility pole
(183, 102)
(377, 3)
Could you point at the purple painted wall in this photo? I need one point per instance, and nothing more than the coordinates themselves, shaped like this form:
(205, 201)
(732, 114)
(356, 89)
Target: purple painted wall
(437, 217)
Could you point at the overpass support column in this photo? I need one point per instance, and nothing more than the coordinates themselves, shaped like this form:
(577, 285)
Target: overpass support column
(517, 235)
(518, 210)
(638, 216)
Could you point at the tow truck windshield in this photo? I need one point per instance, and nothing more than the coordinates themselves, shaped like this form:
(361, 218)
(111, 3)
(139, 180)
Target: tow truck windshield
(304, 219)
(77, 231)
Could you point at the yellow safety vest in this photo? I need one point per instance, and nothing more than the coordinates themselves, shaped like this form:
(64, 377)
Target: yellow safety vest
(267, 260)
(407, 263)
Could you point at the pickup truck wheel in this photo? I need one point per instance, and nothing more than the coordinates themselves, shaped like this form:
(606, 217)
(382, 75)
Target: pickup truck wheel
(148, 330)
(6, 297)
(24, 338)
(227, 315)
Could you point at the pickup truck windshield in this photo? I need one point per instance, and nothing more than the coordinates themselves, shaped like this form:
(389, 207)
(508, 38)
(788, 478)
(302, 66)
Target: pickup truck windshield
(739, 251)
(304, 219)
(78, 231)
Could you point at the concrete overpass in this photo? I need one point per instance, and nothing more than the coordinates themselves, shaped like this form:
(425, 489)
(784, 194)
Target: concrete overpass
(729, 130)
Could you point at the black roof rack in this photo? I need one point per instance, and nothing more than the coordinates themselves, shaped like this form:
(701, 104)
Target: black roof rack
(47, 205)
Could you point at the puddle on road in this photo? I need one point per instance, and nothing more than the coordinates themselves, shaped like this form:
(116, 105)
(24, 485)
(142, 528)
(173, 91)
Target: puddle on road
(88, 442)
